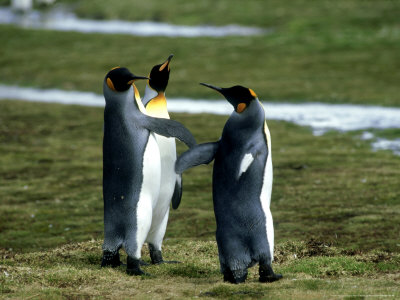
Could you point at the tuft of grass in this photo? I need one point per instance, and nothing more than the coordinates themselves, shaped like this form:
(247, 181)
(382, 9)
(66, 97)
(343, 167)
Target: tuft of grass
(67, 272)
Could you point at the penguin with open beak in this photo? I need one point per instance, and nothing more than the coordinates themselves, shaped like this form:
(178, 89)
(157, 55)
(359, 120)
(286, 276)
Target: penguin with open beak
(131, 168)
(171, 183)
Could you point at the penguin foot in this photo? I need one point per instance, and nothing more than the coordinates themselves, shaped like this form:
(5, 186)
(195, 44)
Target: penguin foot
(137, 272)
(143, 263)
(155, 255)
(267, 274)
(110, 259)
(171, 262)
(272, 278)
(236, 276)
(166, 262)
(133, 267)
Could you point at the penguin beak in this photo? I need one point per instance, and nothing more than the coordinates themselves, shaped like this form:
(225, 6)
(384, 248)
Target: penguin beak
(218, 89)
(166, 63)
(134, 78)
(239, 107)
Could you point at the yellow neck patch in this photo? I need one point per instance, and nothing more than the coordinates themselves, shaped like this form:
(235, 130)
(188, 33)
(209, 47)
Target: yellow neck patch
(138, 100)
(136, 91)
(157, 107)
(111, 84)
(252, 93)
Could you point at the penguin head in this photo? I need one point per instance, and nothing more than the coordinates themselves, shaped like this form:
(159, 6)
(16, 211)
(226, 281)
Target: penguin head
(120, 79)
(240, 97)
(159, 76)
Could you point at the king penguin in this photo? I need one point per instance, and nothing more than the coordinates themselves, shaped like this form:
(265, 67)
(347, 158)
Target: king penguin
(242, 185)
(171, 183)
(131, 168)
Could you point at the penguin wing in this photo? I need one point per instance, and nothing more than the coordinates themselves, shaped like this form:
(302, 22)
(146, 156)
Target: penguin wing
(199, 154)
(168, 128)
(176, 197)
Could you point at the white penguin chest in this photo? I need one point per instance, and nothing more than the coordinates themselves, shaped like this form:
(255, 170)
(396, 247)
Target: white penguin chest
(167, 149)
(151, 171)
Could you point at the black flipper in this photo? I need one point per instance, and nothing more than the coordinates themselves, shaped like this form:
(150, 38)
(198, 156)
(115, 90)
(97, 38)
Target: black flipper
(168, 128)
(199, 154)
(176, 197)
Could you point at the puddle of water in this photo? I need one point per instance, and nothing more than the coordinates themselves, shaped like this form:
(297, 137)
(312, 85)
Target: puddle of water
(62, 20)
(320, 117)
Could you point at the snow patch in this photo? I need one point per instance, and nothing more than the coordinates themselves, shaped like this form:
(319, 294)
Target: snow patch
(319, 116)
(61, 20)
(385, 144)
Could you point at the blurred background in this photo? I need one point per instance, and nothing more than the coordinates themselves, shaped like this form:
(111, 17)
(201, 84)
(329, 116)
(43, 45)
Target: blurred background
(344, 51)
(338, 52)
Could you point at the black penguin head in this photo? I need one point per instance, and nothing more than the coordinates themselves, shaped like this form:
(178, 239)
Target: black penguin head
(240, 97)
(121, 79)
(159, 76)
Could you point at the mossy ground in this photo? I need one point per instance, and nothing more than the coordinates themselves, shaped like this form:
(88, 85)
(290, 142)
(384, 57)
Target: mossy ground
(335, 207)
(73, 272)
(335, 202)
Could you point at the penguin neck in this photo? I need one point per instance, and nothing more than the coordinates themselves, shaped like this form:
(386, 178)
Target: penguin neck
(121, 103)
(246, 123)
(136, 92)
(157, 107)
(137, 100)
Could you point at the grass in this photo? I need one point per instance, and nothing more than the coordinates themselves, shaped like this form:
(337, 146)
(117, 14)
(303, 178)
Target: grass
(73, 271)
(347, 52)
(335, 207)
(335, 202)
(331, 187)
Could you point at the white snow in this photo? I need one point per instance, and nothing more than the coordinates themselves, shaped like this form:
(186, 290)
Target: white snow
(61, 20)
(320, 117)
(385, 144)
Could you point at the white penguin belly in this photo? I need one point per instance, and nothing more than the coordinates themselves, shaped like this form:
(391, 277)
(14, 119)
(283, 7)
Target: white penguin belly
(266, 192)
(149, 190)
(167, 149)
(265, 199)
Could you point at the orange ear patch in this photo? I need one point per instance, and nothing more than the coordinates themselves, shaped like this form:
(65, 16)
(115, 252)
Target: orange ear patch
(111, 84)
(241, 107)
(252, 93)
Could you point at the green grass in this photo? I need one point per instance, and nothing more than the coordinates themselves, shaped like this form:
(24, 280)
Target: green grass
(344, 52)
(331, 187)
(73, 271)
(335, 206)
(335, 202)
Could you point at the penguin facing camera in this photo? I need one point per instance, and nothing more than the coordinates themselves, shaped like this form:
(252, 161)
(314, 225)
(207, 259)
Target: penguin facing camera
(131, 169)
(242, 185)
(171, 183)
